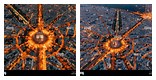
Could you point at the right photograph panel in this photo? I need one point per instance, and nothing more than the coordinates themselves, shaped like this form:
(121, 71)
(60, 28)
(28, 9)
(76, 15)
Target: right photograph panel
(116, 39)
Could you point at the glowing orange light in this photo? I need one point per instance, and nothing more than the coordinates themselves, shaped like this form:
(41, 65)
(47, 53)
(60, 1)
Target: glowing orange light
(40, 39)
(112, 46)
(144, 15)
(47, 44)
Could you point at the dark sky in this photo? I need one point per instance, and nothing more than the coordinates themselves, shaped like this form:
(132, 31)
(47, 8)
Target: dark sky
(130, 7)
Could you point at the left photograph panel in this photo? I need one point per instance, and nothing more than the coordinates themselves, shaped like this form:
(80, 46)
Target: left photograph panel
(39, 39)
